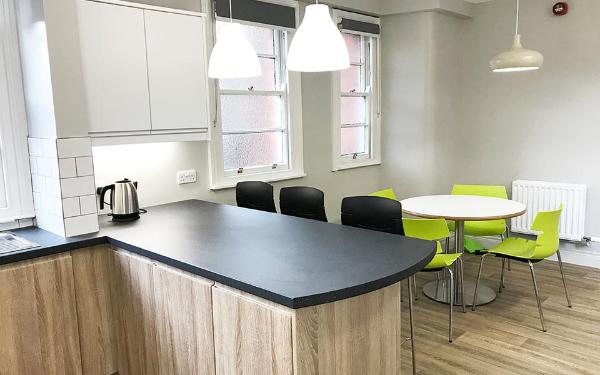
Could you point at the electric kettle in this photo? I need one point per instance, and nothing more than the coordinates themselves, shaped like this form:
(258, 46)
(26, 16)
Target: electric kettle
(123, 200)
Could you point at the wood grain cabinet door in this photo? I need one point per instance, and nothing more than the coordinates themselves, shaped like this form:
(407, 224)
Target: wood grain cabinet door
(251, 336)
(38, 329)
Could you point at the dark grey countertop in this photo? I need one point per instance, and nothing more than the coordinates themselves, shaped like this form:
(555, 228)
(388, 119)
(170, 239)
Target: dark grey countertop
(290, 261)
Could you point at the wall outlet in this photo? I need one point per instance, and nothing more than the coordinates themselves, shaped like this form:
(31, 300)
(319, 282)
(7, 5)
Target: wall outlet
(186, 177)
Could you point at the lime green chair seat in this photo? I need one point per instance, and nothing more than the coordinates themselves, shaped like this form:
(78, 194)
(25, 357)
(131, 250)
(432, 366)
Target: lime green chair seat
(386, 193)
(482, 228)
(441, 261)
(547, 243)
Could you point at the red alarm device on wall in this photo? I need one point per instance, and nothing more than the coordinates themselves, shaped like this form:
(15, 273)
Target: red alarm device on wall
(560, 8)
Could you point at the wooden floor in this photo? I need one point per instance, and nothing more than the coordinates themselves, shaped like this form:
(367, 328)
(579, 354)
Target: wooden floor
(504, 337)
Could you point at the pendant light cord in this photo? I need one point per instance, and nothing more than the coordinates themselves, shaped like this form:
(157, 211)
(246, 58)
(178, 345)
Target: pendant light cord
(517, 22)
(231, 12)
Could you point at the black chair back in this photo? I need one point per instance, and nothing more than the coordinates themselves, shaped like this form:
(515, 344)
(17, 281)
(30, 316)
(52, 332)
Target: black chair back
(375, 213)
(303, 201)
(256, 195)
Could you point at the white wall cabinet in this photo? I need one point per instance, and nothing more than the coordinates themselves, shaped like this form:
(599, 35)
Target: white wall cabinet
(145, 72)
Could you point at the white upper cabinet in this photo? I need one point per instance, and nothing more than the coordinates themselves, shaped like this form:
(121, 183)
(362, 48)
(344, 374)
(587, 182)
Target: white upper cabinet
(114, 65)
(177, 71)
(145, 70)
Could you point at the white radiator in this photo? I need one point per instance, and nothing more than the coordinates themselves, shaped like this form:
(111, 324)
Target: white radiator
(545, 196)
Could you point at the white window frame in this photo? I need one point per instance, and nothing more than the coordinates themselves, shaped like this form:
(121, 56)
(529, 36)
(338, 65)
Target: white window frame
(291, 92)
(372, 95)
(13, 122)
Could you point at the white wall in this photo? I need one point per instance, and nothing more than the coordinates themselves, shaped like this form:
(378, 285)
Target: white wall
(538, 125)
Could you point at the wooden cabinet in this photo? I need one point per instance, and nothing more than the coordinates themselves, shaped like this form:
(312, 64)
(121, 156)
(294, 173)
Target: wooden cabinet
(145, 72)
(114, 66)
(38, 332)
(252, 336)
(177, 76)
(163, 319)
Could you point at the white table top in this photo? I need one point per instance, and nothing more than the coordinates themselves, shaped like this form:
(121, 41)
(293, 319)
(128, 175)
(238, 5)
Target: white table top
(462, 207)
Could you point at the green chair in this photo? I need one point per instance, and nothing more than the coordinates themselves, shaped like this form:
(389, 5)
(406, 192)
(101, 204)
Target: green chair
(481, 228)
(530, 252)
(435, 230)
(386, 193)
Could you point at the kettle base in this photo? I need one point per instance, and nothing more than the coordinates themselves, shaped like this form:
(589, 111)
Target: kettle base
(125, 217)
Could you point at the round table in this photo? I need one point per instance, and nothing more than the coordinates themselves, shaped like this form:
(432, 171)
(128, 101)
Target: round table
(461, 208)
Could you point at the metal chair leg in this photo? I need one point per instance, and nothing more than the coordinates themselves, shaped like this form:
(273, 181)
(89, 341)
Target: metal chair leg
(560, 265)
(412, 326)
(415, 286)
(451, 304)
(508, 264)
(447, 245)
(502, 276)
(537, 296)
(477, 283)
(463, 297)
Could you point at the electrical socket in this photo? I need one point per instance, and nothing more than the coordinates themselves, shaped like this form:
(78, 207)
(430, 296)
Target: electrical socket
(186, 177)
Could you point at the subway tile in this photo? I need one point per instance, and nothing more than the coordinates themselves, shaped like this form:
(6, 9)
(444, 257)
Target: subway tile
(35, 146)
(85, 166)
(24, 223)
(67, 168)
(47, 166)
(78, 225)
(71, 207)
(74, 147)
(53, 206)
(88, 204)
(9, 226)
(53, 186)
(38, 201)
(72, 187)
(49, 148)
(33, 165)
(50, 223)
(38, 183)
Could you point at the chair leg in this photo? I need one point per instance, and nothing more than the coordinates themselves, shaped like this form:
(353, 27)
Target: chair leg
(447, 245)
(560, 265)
(412, 326)
(462, 284)
(508, 264)
(537, 296)
(502, 276)
(415, 286)
(451, 304)
(477, 283)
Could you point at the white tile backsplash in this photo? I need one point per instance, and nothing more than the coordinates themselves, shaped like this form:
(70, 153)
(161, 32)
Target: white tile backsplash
(50, 223)
(78, 225)
(72, 187)
(47, 166)
(33, 165)
(38, 184)
(35, 146)
(88, 204)
(85, 166)
(74, 147)
(67, 168)
(49, 148)
(71, 207)
(53, 186)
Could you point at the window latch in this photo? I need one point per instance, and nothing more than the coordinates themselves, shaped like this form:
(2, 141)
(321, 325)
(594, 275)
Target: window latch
(274, 166)
(240, 170)
(353, 91)
(354, 156)
(251, 88)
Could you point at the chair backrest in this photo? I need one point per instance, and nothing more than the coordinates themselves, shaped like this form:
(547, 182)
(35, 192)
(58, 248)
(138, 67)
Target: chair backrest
(256, 195)
(481, 190)
(426, 229)
(386, 193)
(375, 213)
(547, 242)
(303, 201)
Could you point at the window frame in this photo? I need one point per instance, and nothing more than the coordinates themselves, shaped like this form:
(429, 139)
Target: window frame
(372, 96)
(291, 95)
(13, 124)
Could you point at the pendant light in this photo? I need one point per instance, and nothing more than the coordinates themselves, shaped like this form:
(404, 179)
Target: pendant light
(233, 56)
(318, 45)
(517, 59)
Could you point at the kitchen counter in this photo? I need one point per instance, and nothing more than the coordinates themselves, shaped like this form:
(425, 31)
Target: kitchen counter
(290, 261)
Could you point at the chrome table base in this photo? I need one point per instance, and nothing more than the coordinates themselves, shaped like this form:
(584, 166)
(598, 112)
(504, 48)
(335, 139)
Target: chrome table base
(440, 291)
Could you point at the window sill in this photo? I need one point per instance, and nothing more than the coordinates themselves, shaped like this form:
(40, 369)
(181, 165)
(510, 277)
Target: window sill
(356, 164)
(230, 182)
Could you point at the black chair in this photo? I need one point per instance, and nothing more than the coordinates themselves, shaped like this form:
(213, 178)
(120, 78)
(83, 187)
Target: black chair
(303, 201)
(375, 213)
(256, 195)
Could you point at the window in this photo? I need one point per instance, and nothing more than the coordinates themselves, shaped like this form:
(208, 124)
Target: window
(356, 116)
(259, 135)
(16, 200)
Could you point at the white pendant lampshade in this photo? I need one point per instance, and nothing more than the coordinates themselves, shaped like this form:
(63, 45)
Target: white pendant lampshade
(233, 56)
(318, 45)
(517, 59)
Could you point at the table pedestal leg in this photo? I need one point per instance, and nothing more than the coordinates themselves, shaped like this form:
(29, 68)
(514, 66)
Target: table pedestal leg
(440, 290)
